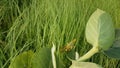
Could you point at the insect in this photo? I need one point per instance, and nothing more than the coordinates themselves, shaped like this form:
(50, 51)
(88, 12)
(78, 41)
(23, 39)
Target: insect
(69, 46)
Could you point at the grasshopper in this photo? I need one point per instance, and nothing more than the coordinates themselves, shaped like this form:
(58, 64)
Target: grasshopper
(69, 46)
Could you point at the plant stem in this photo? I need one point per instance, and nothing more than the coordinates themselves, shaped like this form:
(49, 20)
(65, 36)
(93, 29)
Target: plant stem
(89, 54)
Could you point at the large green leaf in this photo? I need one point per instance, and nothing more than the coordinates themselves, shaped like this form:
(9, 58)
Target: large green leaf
(100, 30)
(114, 51)
(76, 64)
(42, 59)
(23, 60)
(117, 38)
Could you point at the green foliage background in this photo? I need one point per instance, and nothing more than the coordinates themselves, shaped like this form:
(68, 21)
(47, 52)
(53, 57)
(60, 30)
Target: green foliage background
(32, 24)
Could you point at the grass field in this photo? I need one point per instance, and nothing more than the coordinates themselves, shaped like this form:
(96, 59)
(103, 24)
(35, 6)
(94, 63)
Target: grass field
(32, 24)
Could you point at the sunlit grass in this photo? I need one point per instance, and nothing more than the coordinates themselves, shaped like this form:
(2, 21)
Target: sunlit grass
(33, 24)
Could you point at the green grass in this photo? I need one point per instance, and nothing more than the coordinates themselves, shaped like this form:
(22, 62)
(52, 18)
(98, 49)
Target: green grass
(32, 24)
